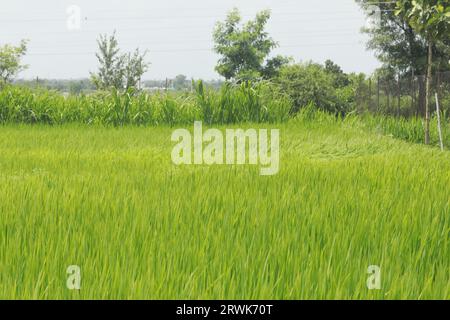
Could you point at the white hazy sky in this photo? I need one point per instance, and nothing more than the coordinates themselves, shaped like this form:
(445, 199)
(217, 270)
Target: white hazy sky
(178, 33)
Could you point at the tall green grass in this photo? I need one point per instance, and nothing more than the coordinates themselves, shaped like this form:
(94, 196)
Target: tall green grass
(232, 104)
(110, 201)
(409, 129)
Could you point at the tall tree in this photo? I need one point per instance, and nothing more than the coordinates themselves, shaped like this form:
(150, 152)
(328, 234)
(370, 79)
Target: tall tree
(111, 70)
(117, 70)
(397, 45)
(244, 48)
(10, 61)
(431, 20)
(135, 67)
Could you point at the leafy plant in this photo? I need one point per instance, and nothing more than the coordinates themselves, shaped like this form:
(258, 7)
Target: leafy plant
(244, 49)
(10, 61)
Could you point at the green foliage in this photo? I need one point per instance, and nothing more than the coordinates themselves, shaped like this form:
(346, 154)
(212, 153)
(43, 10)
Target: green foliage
(429, 18)
(340, 78)
(311, 83)
(244, 49)
(410, 130)
(111, 70)
(10, 61)
(116, 70)
(233, 103)
(305, 84)
(134, 68)
(398, 46)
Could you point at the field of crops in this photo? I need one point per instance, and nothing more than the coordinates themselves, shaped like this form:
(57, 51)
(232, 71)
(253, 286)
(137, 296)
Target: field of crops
(110, 201)
(231, 104)
(258, 103)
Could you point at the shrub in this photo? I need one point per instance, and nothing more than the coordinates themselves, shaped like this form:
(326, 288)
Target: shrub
(305, 84)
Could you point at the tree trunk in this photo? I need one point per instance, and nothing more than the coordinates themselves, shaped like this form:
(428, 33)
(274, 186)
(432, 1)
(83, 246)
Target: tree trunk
(427, 92)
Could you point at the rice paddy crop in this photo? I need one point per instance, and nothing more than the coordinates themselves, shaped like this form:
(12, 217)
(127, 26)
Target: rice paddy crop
(409, 129)
(110, 201)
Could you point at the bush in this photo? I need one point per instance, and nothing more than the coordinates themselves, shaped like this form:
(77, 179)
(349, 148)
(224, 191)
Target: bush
(311, 84)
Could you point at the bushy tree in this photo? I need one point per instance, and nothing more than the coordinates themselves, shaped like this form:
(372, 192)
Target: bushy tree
(340, 78)
(324, 87)
(117, 70)
(10, 61)
(135, 67)
(180, 82)
(430, 19)
(111, 70)
(398, 46)
(307, 83)
(244, 48)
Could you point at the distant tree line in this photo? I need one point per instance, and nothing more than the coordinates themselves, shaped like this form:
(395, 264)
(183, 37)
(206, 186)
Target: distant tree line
(74, 86)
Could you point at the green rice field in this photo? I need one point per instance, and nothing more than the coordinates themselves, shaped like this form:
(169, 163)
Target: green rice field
(110, 201)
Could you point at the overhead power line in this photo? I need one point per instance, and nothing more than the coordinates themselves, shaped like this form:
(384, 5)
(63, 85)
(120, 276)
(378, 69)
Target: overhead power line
(311, 15)
(187, 39)
(193, 49)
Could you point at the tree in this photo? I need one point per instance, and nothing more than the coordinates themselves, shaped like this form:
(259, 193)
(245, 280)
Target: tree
(10, 61)
(397, 45)
(274, 65)
(111, 71)
(135, 67)
(180, 82)
(307, 84)
(314, 85)
(431, 20)
(119, 71)
(244, 48)
(340, 78)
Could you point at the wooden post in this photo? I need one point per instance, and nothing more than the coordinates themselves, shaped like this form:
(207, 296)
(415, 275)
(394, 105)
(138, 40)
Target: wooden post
(439, 122)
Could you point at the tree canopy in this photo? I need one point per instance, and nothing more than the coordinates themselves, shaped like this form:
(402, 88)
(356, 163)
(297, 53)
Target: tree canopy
(10, 61)
(398, 46)
(245, 48)
(117, 70)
